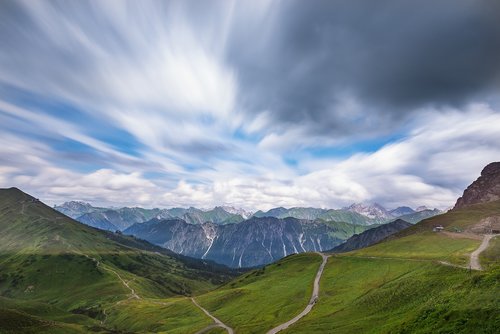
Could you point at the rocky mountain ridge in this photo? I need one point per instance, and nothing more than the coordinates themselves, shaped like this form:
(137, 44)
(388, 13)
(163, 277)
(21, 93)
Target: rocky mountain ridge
(254, 242)
(121, 218)
(485, 189)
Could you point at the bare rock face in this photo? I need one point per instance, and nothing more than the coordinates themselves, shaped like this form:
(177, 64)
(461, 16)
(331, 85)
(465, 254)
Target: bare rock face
(485, 189)
(487, 225)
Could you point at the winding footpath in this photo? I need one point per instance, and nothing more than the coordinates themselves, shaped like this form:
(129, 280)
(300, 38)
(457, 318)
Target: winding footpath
(133, 294)
(312, 301)
(218, 323)
(474, 263)
(474, 256)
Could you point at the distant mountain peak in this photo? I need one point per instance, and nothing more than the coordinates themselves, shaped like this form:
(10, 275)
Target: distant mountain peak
(74, 203)
(401, 211)
(237, 211)
(485, 189)
(370, 210)
(74, 209)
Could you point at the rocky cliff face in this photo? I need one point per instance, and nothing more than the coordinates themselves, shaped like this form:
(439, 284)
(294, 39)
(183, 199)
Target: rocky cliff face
(485, 189)
(254, 242)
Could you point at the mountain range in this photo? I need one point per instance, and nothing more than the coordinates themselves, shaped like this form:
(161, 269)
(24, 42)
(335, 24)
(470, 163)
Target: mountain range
(113, 219)
(251, 243)
(122, 218)
(222, 234)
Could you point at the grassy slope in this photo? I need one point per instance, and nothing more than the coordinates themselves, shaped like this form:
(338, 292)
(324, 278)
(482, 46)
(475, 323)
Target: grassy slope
(425, 246)
(419, 242)
(264, 298)
(44, 259)
(396, 286)
(173, 316)
(490, 258)
(397, 296)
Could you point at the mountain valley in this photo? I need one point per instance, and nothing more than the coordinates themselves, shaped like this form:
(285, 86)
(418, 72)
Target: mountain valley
(386, 278)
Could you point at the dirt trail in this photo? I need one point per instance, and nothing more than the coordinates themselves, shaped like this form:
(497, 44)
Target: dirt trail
(133, 294)
(312, 301)
(218, 323)
(474, 256)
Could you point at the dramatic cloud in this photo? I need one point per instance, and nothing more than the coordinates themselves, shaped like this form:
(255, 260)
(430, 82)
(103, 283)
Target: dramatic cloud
(249, 103)
(310, 60)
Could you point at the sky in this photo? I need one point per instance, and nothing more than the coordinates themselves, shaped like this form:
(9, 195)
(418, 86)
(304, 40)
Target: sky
(254, 104)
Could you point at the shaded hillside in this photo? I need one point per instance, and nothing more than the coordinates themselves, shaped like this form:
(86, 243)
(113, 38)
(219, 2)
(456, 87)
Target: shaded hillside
(401, 211)
(418, 216)
(372, 236)
(44, 255)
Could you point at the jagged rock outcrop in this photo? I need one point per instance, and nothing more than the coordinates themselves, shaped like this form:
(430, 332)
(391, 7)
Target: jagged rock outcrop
(485, 189)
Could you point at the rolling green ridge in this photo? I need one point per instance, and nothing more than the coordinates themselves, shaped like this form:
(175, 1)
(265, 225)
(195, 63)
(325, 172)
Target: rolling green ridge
(78, 274)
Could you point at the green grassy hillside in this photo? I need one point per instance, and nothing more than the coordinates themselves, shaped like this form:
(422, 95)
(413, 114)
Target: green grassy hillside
(59, 276)
(398, 296)
(79, 274)
(264, 298)
(420, 242)
(396, 286)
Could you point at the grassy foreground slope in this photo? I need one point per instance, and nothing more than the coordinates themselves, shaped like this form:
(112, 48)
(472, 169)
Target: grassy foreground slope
(398, 285)
(395, 286)
(264, 298)
(57, 273)
(361, 295)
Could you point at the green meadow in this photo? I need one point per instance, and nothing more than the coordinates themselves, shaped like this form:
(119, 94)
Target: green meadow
(264, 298)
